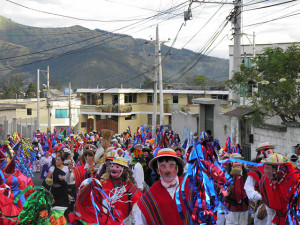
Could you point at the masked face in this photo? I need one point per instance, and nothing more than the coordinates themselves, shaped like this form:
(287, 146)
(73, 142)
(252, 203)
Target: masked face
(167, 170)
(269, 152)
(115, 170)
(269, 171)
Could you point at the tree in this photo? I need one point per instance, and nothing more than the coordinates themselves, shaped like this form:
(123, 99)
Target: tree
(31, 91)
(12, 86)
(201, 80)
(276, 78)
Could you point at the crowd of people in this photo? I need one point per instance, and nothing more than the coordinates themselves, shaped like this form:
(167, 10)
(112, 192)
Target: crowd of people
(144, 179)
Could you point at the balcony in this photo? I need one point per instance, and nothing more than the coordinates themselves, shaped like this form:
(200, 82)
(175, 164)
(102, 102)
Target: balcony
(110, 108)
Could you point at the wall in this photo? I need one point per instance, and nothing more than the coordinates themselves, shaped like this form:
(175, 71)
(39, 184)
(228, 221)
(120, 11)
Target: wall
(183, 124)
(283, 140)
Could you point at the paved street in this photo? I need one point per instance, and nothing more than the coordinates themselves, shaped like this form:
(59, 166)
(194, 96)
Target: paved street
(37, 181)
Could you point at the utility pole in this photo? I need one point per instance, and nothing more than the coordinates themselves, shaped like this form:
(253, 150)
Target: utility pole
(160, 80)
(48, 98)
(236, 20)
(38, 99)
(154, 97)
(70, 107)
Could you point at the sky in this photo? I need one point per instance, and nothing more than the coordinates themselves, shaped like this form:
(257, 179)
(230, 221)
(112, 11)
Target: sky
(205, 32)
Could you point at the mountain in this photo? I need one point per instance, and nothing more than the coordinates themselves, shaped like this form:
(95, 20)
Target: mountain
(91, 58)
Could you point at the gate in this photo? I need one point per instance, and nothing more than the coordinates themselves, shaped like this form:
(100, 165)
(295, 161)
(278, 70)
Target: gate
(107, 124)
(90, 125)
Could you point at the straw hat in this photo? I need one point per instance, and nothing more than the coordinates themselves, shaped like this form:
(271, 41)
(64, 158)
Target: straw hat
(236, 156)
(177, 147)
(264, 145)
(166, 152)
(276, 159)
(120, 161)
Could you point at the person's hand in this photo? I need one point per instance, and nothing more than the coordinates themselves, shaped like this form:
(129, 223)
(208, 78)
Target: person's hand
(61, 178)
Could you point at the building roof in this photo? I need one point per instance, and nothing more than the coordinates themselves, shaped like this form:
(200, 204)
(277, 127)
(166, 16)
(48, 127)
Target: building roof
(137, 90)
(4, 107)
(239, 112)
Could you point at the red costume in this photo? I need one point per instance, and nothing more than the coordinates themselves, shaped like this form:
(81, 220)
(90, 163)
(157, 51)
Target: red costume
(276, 194)
(159, 208)
(85, 210)
(122, 205)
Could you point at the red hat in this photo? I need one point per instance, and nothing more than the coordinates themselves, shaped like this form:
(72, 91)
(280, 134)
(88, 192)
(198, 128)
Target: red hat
(10, 167)
(2, 155)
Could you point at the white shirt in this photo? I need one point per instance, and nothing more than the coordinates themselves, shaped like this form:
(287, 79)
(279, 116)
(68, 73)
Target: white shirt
(250, 191)
(138, 174)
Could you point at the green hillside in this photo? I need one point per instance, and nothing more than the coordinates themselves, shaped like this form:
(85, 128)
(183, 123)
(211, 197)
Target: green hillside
(90, 58)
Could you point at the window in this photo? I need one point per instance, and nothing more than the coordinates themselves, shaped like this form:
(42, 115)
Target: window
(130, 98)
(149, 119)
(29, 112)
(61, 113)
(83, 124)
(175, 98)
(149, 98)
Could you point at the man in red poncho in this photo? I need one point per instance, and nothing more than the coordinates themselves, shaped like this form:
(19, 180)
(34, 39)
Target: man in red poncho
(157, 205)
(251, 186)
(277, 185)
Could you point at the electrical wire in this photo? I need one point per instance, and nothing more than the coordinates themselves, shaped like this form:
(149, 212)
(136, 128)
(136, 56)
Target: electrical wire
(268, 6)
(77, 42)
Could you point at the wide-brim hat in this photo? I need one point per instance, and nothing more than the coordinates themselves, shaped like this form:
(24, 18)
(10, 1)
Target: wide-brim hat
(120, 161)
(264, 145)
(236, 156)
(166, 152)
(275, 159)
(90, 147)
(138, 146)
(179, 148)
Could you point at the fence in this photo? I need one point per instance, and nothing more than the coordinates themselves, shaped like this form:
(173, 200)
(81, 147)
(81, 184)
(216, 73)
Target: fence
(25, 127)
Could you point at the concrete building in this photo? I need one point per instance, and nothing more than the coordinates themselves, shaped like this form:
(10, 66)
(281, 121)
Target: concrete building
(116, 109)
(20, 115)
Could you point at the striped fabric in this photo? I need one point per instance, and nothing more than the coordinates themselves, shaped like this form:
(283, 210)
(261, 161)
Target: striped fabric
(152, 208)
(166, 152)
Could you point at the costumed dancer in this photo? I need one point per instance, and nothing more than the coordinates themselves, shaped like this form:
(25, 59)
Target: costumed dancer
(206, 180)
(119, 185)
(237, 202)
(158, 204)
(277, 187)
(251, 186)
(7, 206)
(16, 185)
